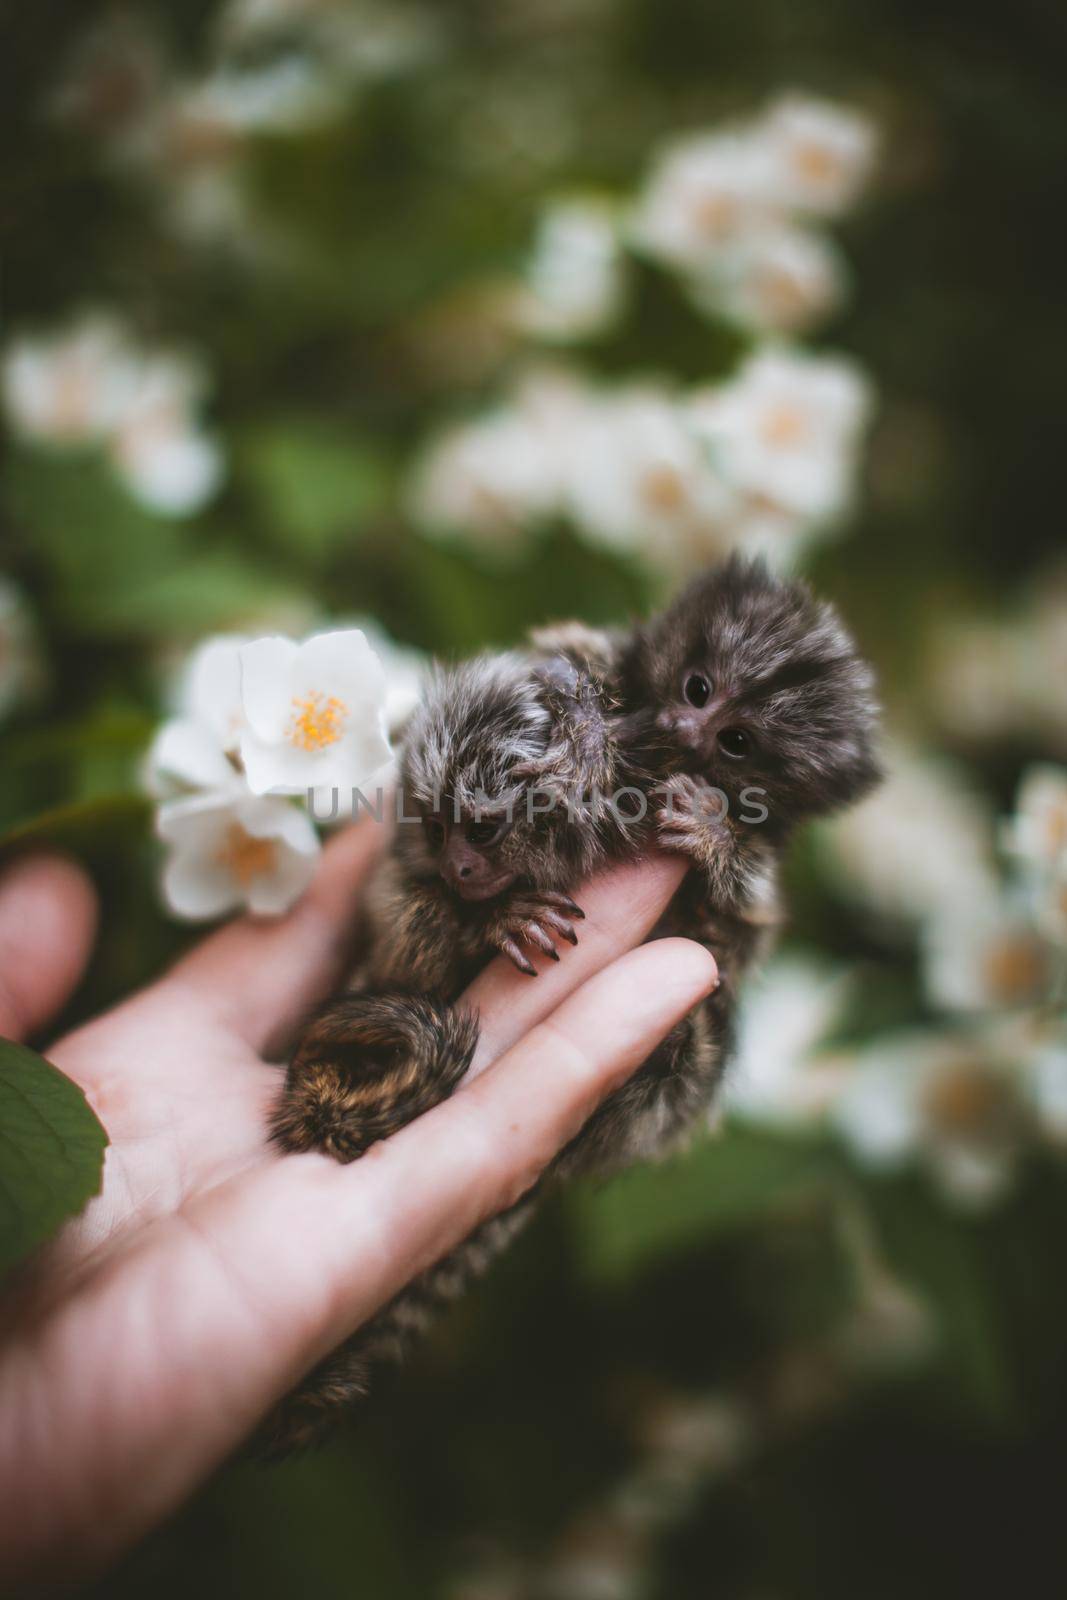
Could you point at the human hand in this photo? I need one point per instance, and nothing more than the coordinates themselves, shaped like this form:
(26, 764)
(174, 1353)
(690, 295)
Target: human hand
(212, 1271)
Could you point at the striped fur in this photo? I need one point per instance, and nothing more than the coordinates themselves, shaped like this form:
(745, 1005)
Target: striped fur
(582, 715)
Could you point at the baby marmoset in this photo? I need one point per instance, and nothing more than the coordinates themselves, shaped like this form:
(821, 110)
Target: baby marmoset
(739, 712)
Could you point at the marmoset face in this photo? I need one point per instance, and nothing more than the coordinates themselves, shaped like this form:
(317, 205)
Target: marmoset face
(468, 852)
(752, 682)
(465, 771)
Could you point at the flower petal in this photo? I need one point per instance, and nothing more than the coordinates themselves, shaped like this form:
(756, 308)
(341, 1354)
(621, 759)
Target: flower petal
(186, 752)
(266, 667)
(197, 888)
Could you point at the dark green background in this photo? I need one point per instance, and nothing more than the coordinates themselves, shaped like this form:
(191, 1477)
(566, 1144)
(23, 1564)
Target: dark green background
(530, 1403)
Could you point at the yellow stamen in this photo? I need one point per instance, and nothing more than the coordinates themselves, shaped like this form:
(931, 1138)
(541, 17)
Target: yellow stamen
(784, 425)
(715, 215)
(246, 856)
(662, 489)
(817, 163)
(316, 722)
(1015, 968)
(969, 1101)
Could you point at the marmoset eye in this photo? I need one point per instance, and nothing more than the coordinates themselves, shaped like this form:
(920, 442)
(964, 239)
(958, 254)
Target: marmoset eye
(735, 743)
(697, 689)
(434, 830)
(483, 832)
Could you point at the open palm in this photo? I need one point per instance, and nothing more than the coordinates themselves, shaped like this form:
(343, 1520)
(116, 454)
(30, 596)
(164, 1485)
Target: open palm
(211, 1272)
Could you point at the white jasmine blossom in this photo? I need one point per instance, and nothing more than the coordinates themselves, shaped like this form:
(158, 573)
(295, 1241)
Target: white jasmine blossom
(1048, 1087)
(496, 478)
(284, 96)
(1036, 835)
(489, 480)
(785, 430)
(194, 749)
(780, 280)
(232, 850)
(704, 194)
(777, 1076)
(70, 388)
(642, 481)
(90, 386)
(573, 285)
(405, 672)
(819, 154)
(164, 462)
(1036, 838)
(947, 1102)
(183, 756)
(984, 956)
(314, 713)
(922, 840)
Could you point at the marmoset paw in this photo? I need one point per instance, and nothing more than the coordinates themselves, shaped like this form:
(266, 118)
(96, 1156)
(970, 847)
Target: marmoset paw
(534, 918)
(368, 1065)
(692, 819)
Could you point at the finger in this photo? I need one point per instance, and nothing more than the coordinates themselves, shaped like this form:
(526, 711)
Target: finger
(47, 923)
(621, 908)
(334, 1243)
(258, 977)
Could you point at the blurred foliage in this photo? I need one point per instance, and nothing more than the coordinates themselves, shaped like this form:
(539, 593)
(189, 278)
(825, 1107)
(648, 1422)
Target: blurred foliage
(334, 322)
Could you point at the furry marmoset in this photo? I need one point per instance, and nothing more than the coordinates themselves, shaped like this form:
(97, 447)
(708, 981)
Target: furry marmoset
(739, 712)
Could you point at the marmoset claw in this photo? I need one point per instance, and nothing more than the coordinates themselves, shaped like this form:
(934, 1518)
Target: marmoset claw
(536, 919)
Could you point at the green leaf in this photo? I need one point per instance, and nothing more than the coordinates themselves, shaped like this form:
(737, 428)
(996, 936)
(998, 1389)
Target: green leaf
(120, 731)
(92, 536)
(314, 485)
(51, 1150)
(80, 822)
(211, 590)
(725, 1183)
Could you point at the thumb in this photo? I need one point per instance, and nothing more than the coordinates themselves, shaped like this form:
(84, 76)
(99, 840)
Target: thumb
(47, 922)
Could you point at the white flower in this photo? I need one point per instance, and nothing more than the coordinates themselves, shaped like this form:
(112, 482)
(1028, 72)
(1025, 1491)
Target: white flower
(878, 1112)
(786, 430)
(780, 279)
(164, 462)
(313, 713)
(405, 672)
(1037, 838)
(573, 283)
(983, 956)
(820, 154)
(499, 476)
(18, 655)
(71, 388)
(1048, 1088)
(488, 479)
(922, 840)
(192, 749)
(776, 1077)
(234, 849)
(355, 40)
(90, 386)
(641, 480)
(945, 1102)
(704, 193)
(283, 96)
(1037, 833)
